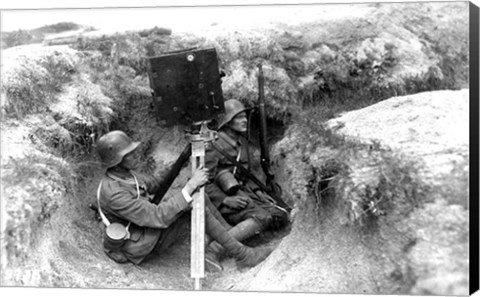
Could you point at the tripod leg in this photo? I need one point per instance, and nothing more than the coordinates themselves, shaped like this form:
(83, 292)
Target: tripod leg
(198, 220)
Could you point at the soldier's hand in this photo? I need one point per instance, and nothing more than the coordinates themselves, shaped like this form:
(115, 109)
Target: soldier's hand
(199, 178)
(236, 202)
(265, 197)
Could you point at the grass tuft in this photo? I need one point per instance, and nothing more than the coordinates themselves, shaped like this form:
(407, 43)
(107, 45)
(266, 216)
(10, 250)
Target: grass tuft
(34, 188)
(360, 181)
(31, 85)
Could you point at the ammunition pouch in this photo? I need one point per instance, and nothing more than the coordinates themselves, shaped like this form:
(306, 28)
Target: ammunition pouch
(227, 182)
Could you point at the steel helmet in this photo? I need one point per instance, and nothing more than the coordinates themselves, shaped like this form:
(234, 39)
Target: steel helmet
(232, 108)
(113, 146)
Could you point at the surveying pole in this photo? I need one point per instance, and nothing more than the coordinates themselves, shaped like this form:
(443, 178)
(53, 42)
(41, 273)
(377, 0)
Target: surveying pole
(197, 254)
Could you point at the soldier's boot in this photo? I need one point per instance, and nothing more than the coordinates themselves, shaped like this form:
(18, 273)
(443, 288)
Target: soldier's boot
(212, 256)
(253, 256)
(245, 229)
(245, 256)
(212, 259)
(216, 213)
(240, 232)
(212, 262)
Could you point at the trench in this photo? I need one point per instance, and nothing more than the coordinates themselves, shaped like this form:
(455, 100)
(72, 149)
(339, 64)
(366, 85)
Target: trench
(316, 253)
(313, 254)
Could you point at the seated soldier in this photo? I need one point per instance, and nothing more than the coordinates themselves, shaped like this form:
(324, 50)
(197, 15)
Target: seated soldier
(123, 198)
(240, 201)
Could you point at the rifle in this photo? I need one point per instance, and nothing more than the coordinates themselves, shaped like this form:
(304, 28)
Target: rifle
(172, 174)
(264, 153)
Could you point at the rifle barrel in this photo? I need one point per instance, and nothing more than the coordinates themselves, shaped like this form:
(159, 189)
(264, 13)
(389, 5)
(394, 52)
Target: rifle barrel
(265, 159)
(174, 171)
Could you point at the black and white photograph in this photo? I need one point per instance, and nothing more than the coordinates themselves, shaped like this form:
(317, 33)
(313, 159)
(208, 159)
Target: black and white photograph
(280, 147)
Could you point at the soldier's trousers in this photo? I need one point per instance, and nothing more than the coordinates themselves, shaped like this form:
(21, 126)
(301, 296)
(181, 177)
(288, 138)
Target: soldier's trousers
(214, 223)
(263, 212)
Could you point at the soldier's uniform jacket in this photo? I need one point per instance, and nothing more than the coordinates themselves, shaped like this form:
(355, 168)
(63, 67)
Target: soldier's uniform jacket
(119, 203)
(216, 163)
(262, 211)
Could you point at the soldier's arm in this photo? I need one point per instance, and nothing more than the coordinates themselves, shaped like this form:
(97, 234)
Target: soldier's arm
(217, 196)
(212, 158)
(217, 163)
(143, 213)
(153, 182)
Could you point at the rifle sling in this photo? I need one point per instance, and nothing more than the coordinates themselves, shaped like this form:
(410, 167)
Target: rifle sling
(249, 175)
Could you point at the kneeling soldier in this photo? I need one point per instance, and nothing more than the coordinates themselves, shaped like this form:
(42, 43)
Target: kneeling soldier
(124, 205)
